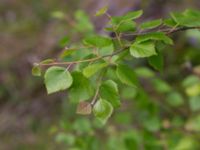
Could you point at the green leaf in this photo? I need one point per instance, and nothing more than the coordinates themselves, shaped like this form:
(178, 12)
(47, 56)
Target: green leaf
(175, 99)
(103, 110)
(126, 75)
(36, 70)
(101, 11)
(64, 41)
(194, 103)
(157, 36)
(47, 61)
(126, 26)
(127, 17)
(193, 90)
(151, 24)
(93, 68)
(144, 72)
(81, 89)
(145, 49)
(132, 15)
(156, 61)
(97, 41)
(169, 22)
(161, 86)
(189, 18)
(109, 91)
(57, 79)
(83, 23)
(66, 53)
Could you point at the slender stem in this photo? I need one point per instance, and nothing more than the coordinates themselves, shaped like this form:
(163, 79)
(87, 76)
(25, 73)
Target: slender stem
(167, 31)
(85, 60)
(94, 100)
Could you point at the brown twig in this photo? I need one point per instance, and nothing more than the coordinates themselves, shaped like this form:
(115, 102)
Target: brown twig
(167, 31)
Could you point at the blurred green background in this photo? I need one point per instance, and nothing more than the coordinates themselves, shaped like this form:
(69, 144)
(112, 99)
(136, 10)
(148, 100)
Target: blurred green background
(166, 116)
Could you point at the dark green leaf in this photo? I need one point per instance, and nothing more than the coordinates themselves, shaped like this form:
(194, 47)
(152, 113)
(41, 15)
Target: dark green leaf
(81, 88)
(126, 75)
(156, 61)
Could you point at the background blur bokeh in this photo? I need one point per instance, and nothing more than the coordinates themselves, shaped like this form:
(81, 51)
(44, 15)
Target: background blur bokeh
(32, 30)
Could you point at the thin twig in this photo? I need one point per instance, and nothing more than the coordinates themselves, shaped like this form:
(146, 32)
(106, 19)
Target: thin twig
(167, 31)
(84, 60)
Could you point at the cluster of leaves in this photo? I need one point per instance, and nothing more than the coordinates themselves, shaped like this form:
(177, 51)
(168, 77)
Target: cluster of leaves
(98, 69)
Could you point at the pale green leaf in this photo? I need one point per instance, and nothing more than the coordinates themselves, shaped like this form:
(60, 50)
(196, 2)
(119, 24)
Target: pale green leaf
(109, 91)
(151, 24)
(93, 68)
(140, 50)
(156, 36)
(102, 110)
(101, 11)
(57, 79)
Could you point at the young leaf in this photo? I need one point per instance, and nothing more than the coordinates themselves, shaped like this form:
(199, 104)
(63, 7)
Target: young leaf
(101, 11)
(93, 68)
(157, 36)
(109, 91)
(57, 79)
(151, 24)
(145, 49)
(126, 75)
(47, 61)
(84, 108)
(133, 15)
(127, 17)
(103, 110)
(66, 53)
(97, 41)
(156, 61)
(81, 89)
(36, 70)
